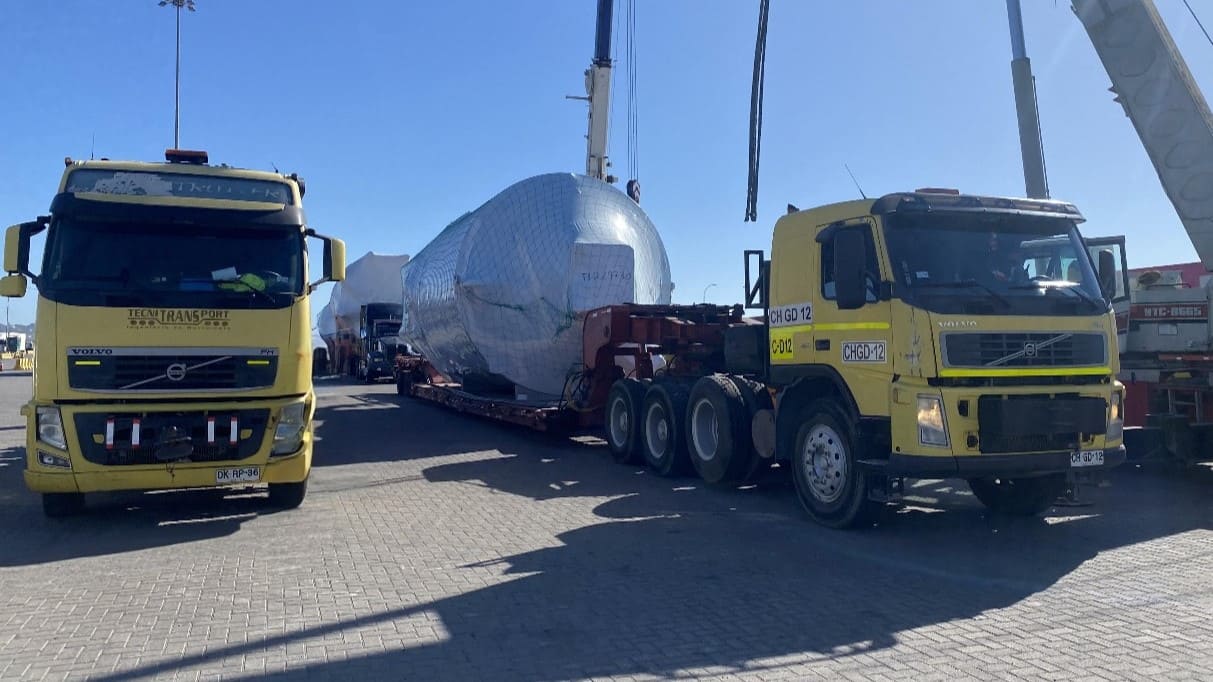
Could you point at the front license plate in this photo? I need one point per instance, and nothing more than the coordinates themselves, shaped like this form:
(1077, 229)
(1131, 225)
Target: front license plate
(1086, 458)
(237, 475)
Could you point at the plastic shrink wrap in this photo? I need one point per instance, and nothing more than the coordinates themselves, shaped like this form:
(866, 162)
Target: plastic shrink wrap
(500, 293)
(326, 327)
(373, 278)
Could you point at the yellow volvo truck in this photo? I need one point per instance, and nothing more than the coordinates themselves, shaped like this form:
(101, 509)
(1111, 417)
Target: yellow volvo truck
(174, 330)
(937, 335)
(923, 334)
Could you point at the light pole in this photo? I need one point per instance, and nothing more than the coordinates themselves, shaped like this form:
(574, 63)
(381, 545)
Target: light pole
(705, 292)
(189, 5)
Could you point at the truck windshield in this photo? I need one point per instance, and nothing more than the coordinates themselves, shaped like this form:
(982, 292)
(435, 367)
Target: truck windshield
(992, 264)
(387, 328)
(101, 263)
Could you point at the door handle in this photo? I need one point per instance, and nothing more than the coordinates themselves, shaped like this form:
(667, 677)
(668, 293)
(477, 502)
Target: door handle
(822, 344)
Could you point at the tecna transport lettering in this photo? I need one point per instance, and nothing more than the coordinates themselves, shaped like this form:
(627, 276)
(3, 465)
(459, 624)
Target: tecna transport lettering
(177, 317)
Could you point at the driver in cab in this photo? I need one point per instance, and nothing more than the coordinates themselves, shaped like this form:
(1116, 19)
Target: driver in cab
(1005, 264)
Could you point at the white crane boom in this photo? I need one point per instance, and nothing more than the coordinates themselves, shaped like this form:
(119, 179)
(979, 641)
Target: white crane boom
(1153, 84)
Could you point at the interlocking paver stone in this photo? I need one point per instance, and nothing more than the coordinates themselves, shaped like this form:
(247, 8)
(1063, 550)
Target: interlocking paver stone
(434, 546)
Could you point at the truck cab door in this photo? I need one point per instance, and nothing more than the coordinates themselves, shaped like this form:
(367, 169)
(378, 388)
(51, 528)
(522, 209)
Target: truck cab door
(1121, 294)
(853, 337)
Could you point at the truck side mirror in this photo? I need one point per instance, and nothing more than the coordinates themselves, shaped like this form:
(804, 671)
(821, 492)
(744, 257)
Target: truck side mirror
(12, 286)
(1107, 273)
(12, 249)
(334, 259)
(850, 254)
(16, 246)
(757, 271)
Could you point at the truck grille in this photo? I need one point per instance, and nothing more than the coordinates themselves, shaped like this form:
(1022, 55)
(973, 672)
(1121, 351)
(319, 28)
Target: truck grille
(1048, 349)
(129, 370)
(197, 439)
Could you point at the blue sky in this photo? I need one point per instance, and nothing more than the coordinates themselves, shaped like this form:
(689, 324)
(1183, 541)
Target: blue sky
(403, 115)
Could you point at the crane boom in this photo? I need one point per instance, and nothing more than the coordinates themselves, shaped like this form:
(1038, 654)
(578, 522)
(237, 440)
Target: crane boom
(598, 89)
(1153, 84)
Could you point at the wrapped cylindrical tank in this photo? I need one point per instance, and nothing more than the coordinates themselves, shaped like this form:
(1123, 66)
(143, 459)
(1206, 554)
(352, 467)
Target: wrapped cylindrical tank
(373, 278)
(500, 293)
(326, 327)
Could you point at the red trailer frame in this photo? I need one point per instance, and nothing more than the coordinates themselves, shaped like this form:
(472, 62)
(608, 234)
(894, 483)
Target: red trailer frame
(692, 336)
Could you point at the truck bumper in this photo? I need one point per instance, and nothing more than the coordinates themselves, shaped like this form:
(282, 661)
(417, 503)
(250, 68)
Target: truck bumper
(80, 472)
(291, 469)
(978, 466)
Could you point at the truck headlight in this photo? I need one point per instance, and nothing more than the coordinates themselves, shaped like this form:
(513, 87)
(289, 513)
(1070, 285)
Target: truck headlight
(288, 435)
(932, 429)
(50, 427)
(1116, 417)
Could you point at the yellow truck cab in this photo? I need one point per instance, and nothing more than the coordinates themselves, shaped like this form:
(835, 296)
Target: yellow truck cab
(930, 334)
(173, 328)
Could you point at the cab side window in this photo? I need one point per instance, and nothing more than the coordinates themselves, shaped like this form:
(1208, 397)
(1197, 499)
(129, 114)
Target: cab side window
(871, 266)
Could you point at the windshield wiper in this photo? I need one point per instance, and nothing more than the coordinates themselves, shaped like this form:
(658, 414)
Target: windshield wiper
(247, 288)
(1055, 285)
(965, 284)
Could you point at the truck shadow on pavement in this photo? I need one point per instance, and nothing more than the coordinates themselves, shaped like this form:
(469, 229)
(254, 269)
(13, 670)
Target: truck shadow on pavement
(699, 585)
(384, 427)
(679, 577)
(114, 523)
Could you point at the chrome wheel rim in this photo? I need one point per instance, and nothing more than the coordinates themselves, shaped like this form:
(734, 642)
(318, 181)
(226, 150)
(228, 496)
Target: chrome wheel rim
(824, 462)
(618, 422)
(657, 431)
(705, 432)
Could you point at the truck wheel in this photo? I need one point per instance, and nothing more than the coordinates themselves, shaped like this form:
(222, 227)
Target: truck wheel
(718, 430)
(59, 505)
(623, 420)
(287, 495)
(663, 438)
(831, 486)
(756, 397)
(1018, 496)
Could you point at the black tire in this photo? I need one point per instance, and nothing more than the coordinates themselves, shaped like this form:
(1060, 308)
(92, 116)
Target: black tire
(756, 397)
(831, 486)
(287, 495)
(1018, 496)
(662, 436)
(718, 430)
(59, 505)
(621, 426)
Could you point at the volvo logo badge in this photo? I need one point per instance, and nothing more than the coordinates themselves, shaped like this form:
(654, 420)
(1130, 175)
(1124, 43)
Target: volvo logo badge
(175, 372)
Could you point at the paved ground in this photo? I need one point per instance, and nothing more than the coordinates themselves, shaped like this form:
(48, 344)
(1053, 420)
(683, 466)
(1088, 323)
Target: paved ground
(434, 546)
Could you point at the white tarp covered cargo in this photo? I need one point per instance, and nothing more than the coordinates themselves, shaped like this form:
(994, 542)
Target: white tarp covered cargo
(373, 278)
(326, 324)
(500, 290)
